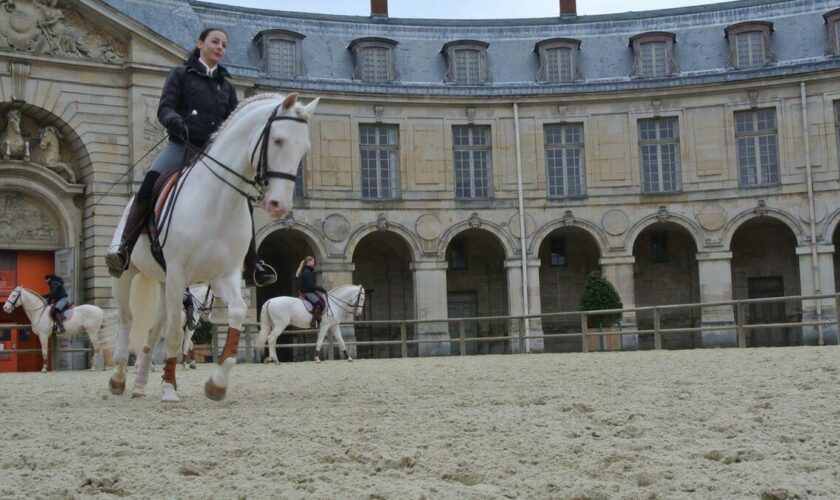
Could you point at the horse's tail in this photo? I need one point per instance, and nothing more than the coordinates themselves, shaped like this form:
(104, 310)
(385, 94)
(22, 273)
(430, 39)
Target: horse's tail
(143, 304)
(265, 325)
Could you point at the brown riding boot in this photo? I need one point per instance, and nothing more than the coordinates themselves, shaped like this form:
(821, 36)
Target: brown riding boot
(117, 260)
(316, 316)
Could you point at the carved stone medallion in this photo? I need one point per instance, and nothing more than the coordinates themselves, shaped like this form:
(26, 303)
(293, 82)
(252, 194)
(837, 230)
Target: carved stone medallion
(336, 227)
(513, 225)
(615, 221)
(711, 217)
(428, 227)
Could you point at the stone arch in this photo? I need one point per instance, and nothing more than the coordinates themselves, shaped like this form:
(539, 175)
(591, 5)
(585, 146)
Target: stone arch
(594, 231)
(398, 229)
(496, 230)
(747, 215)
(50, 202)
(830, 227)
(689, 225)
(307, 232)
(73, 145)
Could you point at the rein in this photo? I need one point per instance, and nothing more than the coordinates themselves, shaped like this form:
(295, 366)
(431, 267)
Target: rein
(352, 306)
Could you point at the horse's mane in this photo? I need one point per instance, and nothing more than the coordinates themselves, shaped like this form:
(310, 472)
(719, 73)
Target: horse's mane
(341, 287)
(247, 102)
(36, 294)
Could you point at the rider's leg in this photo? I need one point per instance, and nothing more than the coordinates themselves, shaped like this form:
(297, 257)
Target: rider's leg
(255, 271)
(58, 312)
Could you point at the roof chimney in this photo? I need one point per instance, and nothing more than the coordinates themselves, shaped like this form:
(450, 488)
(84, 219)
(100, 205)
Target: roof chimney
(378, 8)
(568, 8)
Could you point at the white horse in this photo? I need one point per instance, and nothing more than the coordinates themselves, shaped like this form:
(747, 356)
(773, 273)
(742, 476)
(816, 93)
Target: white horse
(87, 318)
(202, 298)
(257, 149)
(280, 312)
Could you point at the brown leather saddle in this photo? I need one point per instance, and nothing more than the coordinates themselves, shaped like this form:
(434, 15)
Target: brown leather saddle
(163, 189)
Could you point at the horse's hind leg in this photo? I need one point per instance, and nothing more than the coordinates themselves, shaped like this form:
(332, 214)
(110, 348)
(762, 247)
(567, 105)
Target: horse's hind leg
(336, 332)
(272, 342)
(122, 291)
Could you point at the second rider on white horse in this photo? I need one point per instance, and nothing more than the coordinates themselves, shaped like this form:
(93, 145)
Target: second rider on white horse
(310, 289)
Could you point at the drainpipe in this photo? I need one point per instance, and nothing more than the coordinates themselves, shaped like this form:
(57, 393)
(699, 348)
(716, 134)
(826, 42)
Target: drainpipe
(523, 250)
(812, 210)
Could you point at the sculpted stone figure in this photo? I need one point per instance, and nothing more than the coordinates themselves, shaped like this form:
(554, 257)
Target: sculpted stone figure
(12, 143)
(48, 141)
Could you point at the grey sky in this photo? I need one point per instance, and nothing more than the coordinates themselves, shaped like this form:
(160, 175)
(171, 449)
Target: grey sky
(463, 9)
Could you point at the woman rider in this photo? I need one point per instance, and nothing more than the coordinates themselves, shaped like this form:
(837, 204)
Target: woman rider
(57, 297)
(309, 288)
(196, 99)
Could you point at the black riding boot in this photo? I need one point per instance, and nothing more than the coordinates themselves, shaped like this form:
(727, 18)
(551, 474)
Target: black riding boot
(117, 260)
(59, 324)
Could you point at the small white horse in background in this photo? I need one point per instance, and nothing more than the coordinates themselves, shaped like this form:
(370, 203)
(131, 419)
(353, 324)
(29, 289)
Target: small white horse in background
(280, 312)
(85, 318)
(202, 298)
(254, 155)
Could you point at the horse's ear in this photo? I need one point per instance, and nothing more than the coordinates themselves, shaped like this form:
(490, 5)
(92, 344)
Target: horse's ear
(309, 109)
(290, 101)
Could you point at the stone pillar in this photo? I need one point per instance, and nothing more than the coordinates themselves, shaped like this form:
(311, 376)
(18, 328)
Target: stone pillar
(715, 272)
(619, 271)
(430, 303)
(516, 305)
(825, 264)
(330, 275)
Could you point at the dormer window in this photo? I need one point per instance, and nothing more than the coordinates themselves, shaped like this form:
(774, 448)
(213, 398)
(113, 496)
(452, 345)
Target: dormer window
(374, 59)
(558, 60)
(653, 54)
(832, 22)
(280, 49)
(749, 44)
(467, 61)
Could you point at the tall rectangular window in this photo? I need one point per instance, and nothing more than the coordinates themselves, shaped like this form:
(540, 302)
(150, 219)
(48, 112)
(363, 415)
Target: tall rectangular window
(379, 146)
(467, 67)
(559, 65)
(749, 49)
(654, 59)
(282, 58)
(8, 272)
(375, 64)
(564, 160)
(659, 148)
(757, 140)
(472, 151)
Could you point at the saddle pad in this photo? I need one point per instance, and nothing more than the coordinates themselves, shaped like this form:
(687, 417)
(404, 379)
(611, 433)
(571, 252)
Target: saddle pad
(308, 305)
(68, 313)
(165, 189)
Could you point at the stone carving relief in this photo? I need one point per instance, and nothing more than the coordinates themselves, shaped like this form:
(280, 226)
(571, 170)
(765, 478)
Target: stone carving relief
(381, 222)
(336, 227)
(662, 215)
(513, 226)
(475, 221)
(24, 140)
(711, 217)
(760, 208)
(48, 27)
(428, 227)
(23, 223)
(288, 221)
(615, 222)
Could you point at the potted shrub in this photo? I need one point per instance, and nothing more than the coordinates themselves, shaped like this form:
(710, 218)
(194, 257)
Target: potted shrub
(202, 342)
(600, 294)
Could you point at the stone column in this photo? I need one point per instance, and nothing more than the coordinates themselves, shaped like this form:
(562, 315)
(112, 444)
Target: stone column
(330, 275)
(430, 303)
(715, 272)
(825, 264)
(619, 271)
(516, 305)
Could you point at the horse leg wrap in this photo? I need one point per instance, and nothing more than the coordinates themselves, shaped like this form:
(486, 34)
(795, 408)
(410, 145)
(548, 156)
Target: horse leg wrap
(169, 371)
(231, 345)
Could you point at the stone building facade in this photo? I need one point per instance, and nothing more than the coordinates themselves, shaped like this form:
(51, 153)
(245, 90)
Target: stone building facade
(468, 168)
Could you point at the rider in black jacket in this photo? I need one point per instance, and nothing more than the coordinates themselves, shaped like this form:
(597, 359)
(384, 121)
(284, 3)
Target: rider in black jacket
(58, 299)
(196, 99)
(310, 289)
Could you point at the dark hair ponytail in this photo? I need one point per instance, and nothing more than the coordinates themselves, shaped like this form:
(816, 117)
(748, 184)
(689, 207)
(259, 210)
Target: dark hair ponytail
(202, 37)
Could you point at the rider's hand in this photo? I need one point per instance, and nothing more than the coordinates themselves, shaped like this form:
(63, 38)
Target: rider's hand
(177, 127)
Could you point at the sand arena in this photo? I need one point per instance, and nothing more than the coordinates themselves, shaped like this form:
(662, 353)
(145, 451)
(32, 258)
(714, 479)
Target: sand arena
(733, 423)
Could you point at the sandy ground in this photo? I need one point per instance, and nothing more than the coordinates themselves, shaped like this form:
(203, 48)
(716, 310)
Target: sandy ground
(757, 423)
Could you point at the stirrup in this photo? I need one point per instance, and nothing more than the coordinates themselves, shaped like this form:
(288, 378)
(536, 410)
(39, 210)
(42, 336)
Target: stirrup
(269, 275)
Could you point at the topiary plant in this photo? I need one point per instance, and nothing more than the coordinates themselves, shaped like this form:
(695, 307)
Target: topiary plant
(599, 294)
(203, 332)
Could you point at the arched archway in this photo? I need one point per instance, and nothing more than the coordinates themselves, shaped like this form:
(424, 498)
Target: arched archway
(764, 264)
(836, 242)
(283, 250)
(476, 284)
(382, 264)
(567, 255)
(665, 272)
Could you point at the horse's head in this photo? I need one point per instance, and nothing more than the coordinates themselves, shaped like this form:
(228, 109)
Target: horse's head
(359, 306)
(12, 301)
(287, 142)
(48, 136)
(13, 120)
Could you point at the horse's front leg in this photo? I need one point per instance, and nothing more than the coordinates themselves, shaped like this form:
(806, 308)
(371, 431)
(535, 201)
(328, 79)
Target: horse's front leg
(228, 290)
(174, 336)
(44, 338)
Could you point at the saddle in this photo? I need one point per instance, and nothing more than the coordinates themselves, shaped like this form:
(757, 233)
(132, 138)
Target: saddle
(160, 195)
(308, 305)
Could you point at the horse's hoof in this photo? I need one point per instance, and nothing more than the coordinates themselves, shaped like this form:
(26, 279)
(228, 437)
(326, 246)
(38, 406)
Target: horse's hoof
(44, 370)
(213, 391)
(169, 395)
(192, 365)
(139, 391)
(116, 387)
(317, 359)
(349, 359)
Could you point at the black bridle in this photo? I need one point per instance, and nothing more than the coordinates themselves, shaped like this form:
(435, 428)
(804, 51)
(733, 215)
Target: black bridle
(354, 305)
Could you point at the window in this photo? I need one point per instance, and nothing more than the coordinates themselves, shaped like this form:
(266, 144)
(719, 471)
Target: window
(281, 57)
(749, 44)
(832, 23)
(659, 150)
(467, 62)
(659, 248)
(557, 252)
(653, 54)
(756, 138)
(558, 60)
(458, 254)
(564, 160)
(300, 181)
(379, 146)
(472, 150)
(8, 272)
(374, 59)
